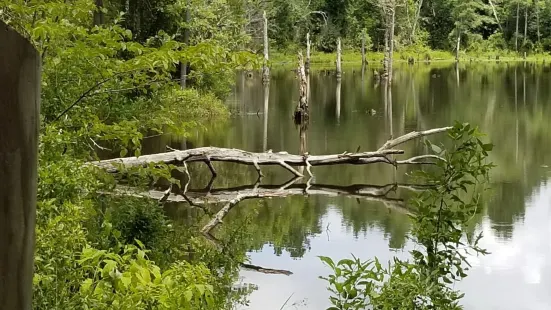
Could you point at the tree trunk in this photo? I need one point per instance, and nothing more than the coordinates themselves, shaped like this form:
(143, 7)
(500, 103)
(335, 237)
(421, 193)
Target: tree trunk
(283, 159)
(265, 68)
(458, 45)
(301, 112)
(98, 13)
(363, 48)
(537, 20)
(495, 16)
(266, 107)
(19, 103)
(525, 27)
(417, 15)
(338, 100)
(516, 31)
(339, 51)
(386, 53)
(391, 55)
(307, 64)
(184, 65)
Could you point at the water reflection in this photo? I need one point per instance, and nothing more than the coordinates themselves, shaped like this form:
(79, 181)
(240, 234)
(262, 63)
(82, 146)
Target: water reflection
(508, 102)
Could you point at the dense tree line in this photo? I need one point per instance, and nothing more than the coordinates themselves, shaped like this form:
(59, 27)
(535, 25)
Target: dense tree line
(518, 25)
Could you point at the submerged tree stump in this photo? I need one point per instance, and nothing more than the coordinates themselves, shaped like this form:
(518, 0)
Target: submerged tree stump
(19, 103)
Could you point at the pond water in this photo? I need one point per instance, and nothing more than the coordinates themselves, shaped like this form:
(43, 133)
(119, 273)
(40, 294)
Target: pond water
(509, 102)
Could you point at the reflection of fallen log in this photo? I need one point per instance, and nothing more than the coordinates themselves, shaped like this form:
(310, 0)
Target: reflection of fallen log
(283, 159)
(260, 269)
(266, 270)
(226, 195)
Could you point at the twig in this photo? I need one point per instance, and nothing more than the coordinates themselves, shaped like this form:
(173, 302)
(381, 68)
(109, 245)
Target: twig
(286, 301)
(410, 136)
(99, 146)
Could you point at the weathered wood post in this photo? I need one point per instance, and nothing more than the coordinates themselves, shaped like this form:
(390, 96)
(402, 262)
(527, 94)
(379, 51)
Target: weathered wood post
(265, 68)
(307, 63)
(339, 51)
(19, 103)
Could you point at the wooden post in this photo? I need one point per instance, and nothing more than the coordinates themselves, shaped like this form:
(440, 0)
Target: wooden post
(19, 103)
(307, 64)
(364, 62)
(265, 68)
(339, 51)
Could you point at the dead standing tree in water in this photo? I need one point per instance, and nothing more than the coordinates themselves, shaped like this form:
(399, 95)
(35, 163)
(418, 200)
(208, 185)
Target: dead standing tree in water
(364, 60)
(388, 8)
(19, 103)
(338, 61)
(308, 46)
(301, 112)
(265, 68)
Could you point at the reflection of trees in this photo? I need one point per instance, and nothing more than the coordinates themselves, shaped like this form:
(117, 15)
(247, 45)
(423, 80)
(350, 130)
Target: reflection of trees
(362, 216)
(285, 223)
(423, 97)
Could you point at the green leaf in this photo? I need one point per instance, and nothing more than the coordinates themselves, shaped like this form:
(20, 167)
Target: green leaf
(436, 148)
(488, 147)
(86, 285)
(328, 261)
(126, 279)
(110, 265)
(188, 294)
(346, 261)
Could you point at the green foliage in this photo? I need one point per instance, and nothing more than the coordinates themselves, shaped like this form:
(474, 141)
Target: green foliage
(104, 86)
(440, 215)
(131, 281)
(137, 219)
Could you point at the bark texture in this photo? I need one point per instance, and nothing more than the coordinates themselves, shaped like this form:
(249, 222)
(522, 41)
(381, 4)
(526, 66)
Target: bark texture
(19, 103)
(301, 113)
(283, 159)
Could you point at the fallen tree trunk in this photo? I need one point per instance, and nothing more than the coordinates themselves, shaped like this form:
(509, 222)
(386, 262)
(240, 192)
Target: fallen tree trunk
(283, 159)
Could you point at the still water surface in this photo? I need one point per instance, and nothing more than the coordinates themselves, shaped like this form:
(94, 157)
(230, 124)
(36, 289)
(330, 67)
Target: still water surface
(511, 103)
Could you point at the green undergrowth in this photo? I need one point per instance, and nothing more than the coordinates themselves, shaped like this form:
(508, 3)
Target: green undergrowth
(353, 57)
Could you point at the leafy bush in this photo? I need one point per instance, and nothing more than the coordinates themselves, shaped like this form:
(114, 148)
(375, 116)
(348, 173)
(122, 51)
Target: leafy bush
(439, 215)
